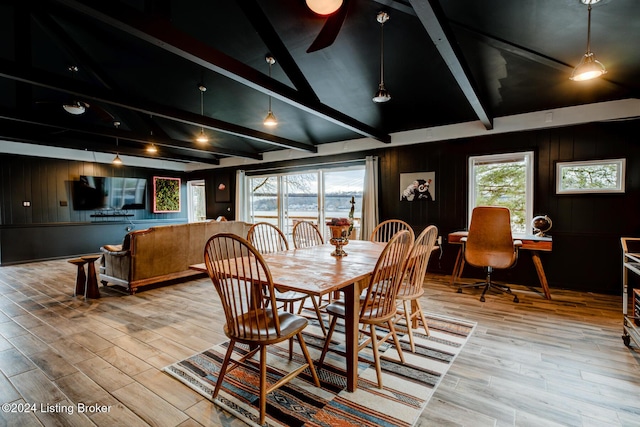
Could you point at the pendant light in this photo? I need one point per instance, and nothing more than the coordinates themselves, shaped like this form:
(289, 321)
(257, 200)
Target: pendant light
(152, 149)
(382, 95)
(116, 160)
(324, 7)
(589, 67)
(202, 138)
(270, 120)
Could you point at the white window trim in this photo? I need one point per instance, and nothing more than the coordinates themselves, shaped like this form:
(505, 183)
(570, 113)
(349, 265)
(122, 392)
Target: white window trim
(528, 157)
(620, 181)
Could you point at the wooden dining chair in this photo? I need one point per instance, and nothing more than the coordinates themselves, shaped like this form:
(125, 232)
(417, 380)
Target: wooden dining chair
(411, 288)
(490, 245)
(378, 303)
(267, 238)
(244, 283)
(306, 234)
(386, 230)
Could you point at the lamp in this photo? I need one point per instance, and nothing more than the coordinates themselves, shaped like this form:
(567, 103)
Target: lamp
(270, 120)
(589, 67)
(152, 149)
(116, 160)
(202, 138)
(382, 95)
(324, 7)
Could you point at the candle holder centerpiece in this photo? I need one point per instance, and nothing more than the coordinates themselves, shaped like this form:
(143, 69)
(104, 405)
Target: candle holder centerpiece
(340, 229)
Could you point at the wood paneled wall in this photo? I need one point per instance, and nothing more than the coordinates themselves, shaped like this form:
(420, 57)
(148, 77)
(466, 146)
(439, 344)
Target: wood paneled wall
(48, 228)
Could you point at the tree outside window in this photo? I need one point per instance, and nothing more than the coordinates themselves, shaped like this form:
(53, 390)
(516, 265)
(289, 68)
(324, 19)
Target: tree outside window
(504, 180)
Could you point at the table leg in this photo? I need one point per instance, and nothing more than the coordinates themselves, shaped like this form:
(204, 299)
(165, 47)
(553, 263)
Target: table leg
(535, 256)
(351, 296)
(81, 281)
(457, 267)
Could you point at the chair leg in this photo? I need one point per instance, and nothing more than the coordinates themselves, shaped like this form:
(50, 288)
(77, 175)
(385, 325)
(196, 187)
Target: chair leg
(392, 329)
(422, 318)
(408, 316)
(307, 356)
(317, 310)
(327, 340)
(223, 368)
(263, 383)
(376, 356)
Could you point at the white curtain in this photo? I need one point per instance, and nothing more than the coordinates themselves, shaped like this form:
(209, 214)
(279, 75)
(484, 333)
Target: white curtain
(242, 204)
(369, 197)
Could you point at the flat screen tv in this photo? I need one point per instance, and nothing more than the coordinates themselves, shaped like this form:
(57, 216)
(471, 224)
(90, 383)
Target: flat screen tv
(102, 193)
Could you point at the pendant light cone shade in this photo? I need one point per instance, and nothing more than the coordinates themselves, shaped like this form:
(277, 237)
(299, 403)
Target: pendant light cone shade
(270, 120)
(589, 67)
(202, 137)
(152, 149)
(324, 7)
(116, 160)
(382, 95)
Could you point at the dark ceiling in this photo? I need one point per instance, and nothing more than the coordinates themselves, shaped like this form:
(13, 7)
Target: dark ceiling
(140, 63)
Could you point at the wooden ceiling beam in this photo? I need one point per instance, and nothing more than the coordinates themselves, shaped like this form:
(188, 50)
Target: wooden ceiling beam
(162, 35)
(432, 17)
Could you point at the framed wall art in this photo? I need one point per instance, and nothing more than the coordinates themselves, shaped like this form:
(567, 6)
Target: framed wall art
(166, 194)
(418, 186)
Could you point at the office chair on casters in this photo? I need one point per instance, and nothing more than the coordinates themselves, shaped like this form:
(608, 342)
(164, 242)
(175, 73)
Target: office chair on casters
(490, 245)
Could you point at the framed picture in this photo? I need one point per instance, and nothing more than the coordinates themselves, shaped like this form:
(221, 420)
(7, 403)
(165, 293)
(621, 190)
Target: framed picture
(416, 187)
(591, 176)
(222, 191)
(166, 194)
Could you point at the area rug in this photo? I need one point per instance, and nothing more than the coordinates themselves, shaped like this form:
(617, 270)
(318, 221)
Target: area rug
(407, 387)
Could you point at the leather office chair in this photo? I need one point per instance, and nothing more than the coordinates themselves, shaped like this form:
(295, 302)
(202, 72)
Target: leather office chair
(378, 303)
(490, 245)
(411, 288)
(386, 229)
(267, 238)
(249, 318)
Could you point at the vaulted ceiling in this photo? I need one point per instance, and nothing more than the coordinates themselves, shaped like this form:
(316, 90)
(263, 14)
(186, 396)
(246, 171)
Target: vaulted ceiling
(140, 63)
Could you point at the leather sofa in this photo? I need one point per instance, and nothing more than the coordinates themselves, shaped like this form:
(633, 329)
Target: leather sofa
(159, 254)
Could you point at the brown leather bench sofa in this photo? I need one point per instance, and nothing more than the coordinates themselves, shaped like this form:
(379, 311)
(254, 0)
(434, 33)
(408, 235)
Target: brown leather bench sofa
(160, 254)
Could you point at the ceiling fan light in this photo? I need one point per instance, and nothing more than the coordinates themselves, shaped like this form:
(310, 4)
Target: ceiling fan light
(382, 95)
(270, 120)
(588, 68)
(202, 138)
(116, 160)
(76, 108)
(324, 7)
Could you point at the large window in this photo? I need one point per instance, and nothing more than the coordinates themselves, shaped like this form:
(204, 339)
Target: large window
(504, 180)
(312, 195)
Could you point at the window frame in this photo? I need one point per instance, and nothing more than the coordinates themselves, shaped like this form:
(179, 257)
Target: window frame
(620, 180)
(528, 157)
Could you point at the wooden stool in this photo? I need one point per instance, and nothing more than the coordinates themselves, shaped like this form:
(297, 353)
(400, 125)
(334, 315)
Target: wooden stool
(91, 290)
(81, 278)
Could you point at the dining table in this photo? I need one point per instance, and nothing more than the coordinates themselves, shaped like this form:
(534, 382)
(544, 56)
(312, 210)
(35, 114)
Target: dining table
(313, 270)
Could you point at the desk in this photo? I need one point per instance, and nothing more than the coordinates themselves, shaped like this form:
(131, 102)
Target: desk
(533, 244)
(314, 271)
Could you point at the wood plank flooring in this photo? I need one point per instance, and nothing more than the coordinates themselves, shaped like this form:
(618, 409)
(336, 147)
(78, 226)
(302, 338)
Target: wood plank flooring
(537, 363)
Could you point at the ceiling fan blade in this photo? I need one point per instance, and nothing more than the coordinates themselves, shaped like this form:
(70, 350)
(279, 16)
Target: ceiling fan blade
(330, 30)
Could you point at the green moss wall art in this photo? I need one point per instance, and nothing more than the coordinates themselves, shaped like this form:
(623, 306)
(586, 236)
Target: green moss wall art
(166, 194)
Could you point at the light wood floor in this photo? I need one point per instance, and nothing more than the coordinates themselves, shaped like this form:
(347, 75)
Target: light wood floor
(536, 363)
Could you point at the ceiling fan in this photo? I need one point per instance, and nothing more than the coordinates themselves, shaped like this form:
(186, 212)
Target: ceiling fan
(336, 12)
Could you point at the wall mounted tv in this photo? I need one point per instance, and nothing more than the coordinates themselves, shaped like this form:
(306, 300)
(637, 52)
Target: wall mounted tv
(103, 193)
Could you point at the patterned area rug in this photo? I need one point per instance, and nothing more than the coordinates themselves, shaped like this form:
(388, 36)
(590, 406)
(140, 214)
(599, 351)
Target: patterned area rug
(407, 387)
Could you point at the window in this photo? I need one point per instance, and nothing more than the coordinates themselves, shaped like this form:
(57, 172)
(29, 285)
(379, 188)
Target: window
(311, 195)
(504, 180)
(594, 176)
